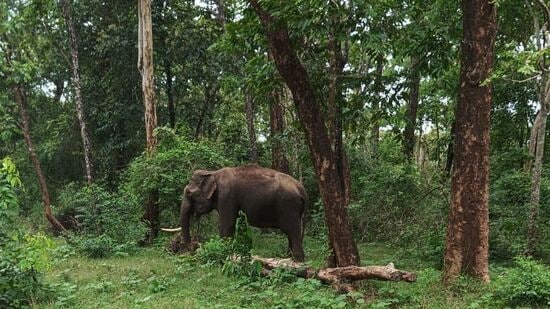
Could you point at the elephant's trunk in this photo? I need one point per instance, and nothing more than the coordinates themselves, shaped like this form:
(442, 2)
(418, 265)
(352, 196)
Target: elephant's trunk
(185, 213)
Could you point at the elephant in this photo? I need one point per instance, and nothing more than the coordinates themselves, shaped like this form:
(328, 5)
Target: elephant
(270, 199)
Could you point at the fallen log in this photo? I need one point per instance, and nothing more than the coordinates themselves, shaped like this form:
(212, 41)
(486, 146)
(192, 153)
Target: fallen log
(340, 278)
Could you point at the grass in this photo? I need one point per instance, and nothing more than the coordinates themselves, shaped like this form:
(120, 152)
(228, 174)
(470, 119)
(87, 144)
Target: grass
(152, 278)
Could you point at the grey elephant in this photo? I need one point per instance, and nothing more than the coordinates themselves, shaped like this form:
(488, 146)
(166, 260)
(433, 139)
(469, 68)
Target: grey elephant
(270, 199)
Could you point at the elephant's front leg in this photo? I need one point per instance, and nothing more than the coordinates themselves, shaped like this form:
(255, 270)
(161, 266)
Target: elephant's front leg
(226, 223)
(226, 230)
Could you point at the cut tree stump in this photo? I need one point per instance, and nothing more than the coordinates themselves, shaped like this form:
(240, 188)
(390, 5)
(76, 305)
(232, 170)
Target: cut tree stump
(340, 278)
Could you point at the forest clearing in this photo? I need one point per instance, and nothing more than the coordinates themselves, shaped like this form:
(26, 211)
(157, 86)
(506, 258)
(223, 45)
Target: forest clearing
(274, 154)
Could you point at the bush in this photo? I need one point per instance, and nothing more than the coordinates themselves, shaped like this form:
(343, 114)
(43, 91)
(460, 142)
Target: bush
(528, 284)
(22, 257)
(170, 168)
(105, 222)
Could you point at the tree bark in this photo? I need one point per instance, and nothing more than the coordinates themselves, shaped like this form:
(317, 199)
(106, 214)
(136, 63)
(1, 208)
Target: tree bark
(412, 108)
(170, 95)
(250, 128)
(467, 238)
(316, 133)
(145, 66)
(279, 161)
(376, 106)
(538, 132)
(21, 100)
(450, 147)
(340, 278)
(80, 112)
(335, 101)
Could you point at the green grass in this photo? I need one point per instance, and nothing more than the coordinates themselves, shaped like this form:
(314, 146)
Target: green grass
(152, 278)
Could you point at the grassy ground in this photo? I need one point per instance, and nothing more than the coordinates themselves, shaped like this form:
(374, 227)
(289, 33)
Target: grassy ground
(153, 278)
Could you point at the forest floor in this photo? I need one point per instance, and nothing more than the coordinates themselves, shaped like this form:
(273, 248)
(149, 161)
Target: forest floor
(153, 278)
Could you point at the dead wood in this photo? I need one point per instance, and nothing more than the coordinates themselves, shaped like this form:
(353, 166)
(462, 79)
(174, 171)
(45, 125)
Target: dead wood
(340, 278)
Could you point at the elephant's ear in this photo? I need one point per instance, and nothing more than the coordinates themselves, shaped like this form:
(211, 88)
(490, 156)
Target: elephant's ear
(209, 186)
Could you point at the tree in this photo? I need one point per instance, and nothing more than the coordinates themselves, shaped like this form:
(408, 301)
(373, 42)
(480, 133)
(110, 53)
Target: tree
(21, 99)
(145, 67)
(412, 108)
(279, 161)
(73, 42)
(538, 131)
(324, 158)
(249, 106)
(467, 241)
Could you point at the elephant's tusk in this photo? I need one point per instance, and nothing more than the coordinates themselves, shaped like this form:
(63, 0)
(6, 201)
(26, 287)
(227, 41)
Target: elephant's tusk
(171, 230)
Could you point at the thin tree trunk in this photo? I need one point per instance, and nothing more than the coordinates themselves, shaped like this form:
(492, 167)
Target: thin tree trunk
(313, 122)
(450, 147)
(538, 143)
(279, 161)
(170, 95)
(21, 100)
(250, 127)
(376, 106)
(467, 241)
(538, 133)
(145, 66)
(412, 109)
(86, 143)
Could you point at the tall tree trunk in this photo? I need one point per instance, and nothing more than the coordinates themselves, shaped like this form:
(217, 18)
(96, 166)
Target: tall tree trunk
(86, 143)
(538, 141)
(335, 101)
(145, 66)
(279, 161)
(21, 100)
(467, 241)
(170, 95)
(377, 105)
(250, 127)
(538, 132)
(412, 108)
(313, 122)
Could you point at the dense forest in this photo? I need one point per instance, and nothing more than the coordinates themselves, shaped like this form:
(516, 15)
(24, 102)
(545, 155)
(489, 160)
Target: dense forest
(414, 133)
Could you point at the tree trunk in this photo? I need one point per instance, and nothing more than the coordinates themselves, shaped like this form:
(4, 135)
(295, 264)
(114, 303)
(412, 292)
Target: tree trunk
(467, 238)
(86, 143)
(279, 161)
(538, 141)
(313, 123)
(145, 65)
(538, 133)
(250, 128)
(412, 108)
(170, 95)
(376, 106)
(450, 147)
(21, 100)
(335, 102)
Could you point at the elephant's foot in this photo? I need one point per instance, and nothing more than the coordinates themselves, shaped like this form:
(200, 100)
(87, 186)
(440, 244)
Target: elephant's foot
(178, 246)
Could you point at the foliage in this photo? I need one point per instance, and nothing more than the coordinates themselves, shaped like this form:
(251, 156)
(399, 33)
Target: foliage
(233, 254)
(23, 257)
(170, 168)
(527, 284)
(103, 222)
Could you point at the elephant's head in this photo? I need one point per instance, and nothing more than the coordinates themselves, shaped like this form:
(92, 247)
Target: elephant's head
(198, 197)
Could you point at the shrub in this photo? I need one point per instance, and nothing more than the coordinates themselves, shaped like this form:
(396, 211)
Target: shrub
(22, 257)
(105, 222)
(528, 284)
(170, 168)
